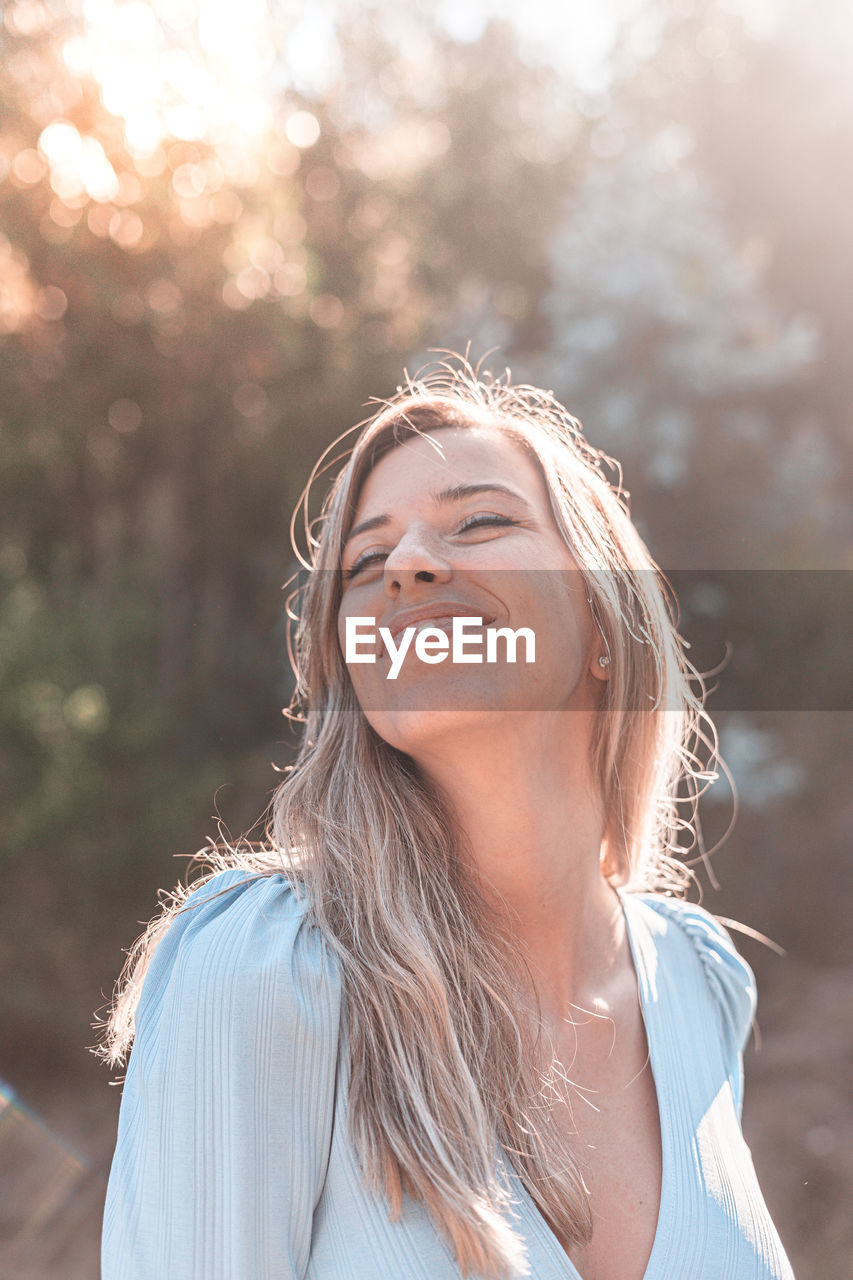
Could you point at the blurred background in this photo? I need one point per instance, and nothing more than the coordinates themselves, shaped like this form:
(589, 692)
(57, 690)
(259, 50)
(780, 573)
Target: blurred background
(222, 230)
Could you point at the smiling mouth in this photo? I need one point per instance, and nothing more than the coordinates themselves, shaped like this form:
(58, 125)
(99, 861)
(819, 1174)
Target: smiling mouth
(443, 622)
(440, 620)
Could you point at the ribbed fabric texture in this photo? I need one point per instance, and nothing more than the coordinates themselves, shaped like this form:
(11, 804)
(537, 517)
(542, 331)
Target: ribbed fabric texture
(233, 1160)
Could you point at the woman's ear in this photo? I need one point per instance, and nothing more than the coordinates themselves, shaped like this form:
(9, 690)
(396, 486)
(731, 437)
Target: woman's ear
(615, 864)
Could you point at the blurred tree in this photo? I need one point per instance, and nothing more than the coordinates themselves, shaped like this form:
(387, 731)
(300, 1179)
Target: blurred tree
(698, 331)
(663, 338)
(187, 322)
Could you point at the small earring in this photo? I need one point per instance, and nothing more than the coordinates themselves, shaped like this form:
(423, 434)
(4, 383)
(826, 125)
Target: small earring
(604, 660)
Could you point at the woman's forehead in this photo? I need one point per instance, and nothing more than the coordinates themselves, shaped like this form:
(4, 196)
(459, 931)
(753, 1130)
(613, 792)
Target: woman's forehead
(474, 454)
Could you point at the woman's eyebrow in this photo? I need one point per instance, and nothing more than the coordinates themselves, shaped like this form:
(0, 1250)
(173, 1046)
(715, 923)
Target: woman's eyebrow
(458, 491)
(375, 522)
(453, 494)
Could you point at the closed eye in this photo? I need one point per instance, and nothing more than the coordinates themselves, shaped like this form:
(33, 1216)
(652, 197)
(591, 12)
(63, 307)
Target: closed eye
(485, 518)
(362, 561)
(481, 520)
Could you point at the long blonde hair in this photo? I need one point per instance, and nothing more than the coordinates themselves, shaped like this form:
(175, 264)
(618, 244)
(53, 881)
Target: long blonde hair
(446, 1070)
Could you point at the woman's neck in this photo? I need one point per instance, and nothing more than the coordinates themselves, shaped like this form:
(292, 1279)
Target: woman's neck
(532, 827)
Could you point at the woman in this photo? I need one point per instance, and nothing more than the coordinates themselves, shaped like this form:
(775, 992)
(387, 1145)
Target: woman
(448, 1022)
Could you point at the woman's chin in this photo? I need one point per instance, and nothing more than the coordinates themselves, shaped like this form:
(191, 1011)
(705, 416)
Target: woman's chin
(417, 716)
(437, 692)
(417, 730)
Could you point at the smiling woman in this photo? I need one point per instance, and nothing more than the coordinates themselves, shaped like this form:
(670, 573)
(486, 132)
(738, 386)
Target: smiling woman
(449, 542)
(454, 1016)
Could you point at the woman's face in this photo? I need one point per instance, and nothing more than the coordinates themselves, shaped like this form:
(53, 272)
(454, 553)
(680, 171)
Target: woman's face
(459, 524)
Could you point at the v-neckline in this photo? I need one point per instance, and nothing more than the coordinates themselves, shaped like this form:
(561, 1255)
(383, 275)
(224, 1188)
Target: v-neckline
(649, 1010)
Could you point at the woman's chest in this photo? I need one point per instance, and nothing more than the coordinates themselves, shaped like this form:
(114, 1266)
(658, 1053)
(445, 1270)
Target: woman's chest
(616, 1139)
(712, 1221)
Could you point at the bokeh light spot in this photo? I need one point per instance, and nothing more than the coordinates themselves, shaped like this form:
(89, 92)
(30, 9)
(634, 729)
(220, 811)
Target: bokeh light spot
(322, 184)
(126, 228)
(16, 287)
(60, 142)
(253, 282)
(86, 709)
(77, 55)
(250, 399)
(326, 311)
(302, 129)
(96, 173)
(290, 279)
(233, 297)
(163, 296)
(50, 303)
(26, 18)
(27, 168)
(124, 416)
(98, 219)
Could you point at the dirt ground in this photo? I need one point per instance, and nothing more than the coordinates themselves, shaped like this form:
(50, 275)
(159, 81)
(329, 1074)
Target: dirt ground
(55, 1148)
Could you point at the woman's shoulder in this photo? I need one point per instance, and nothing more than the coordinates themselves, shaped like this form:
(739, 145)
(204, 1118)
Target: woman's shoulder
(243, 941)
(228, 1103)
(708, 954)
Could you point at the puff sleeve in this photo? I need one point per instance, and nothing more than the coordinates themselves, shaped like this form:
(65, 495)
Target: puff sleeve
(226, 1115)
(728, 977)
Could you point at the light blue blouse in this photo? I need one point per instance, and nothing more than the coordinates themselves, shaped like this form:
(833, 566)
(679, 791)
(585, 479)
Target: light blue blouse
(233, 1160)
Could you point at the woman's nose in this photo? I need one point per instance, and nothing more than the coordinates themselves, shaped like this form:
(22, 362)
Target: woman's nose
(417, 557)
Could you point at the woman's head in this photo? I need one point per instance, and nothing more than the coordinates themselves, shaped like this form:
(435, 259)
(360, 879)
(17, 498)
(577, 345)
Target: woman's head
(473, 496)
(455, 526)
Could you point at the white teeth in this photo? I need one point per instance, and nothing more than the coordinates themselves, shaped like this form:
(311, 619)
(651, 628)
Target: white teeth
(435, 622)
(444, 624)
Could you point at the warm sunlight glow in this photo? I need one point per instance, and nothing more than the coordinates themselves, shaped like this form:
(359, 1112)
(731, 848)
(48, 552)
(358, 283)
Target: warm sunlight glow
(77, 164)
(171, 68)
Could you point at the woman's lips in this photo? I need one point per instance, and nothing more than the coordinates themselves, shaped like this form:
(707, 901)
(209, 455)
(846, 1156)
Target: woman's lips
(436, 616)
(446, 623)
